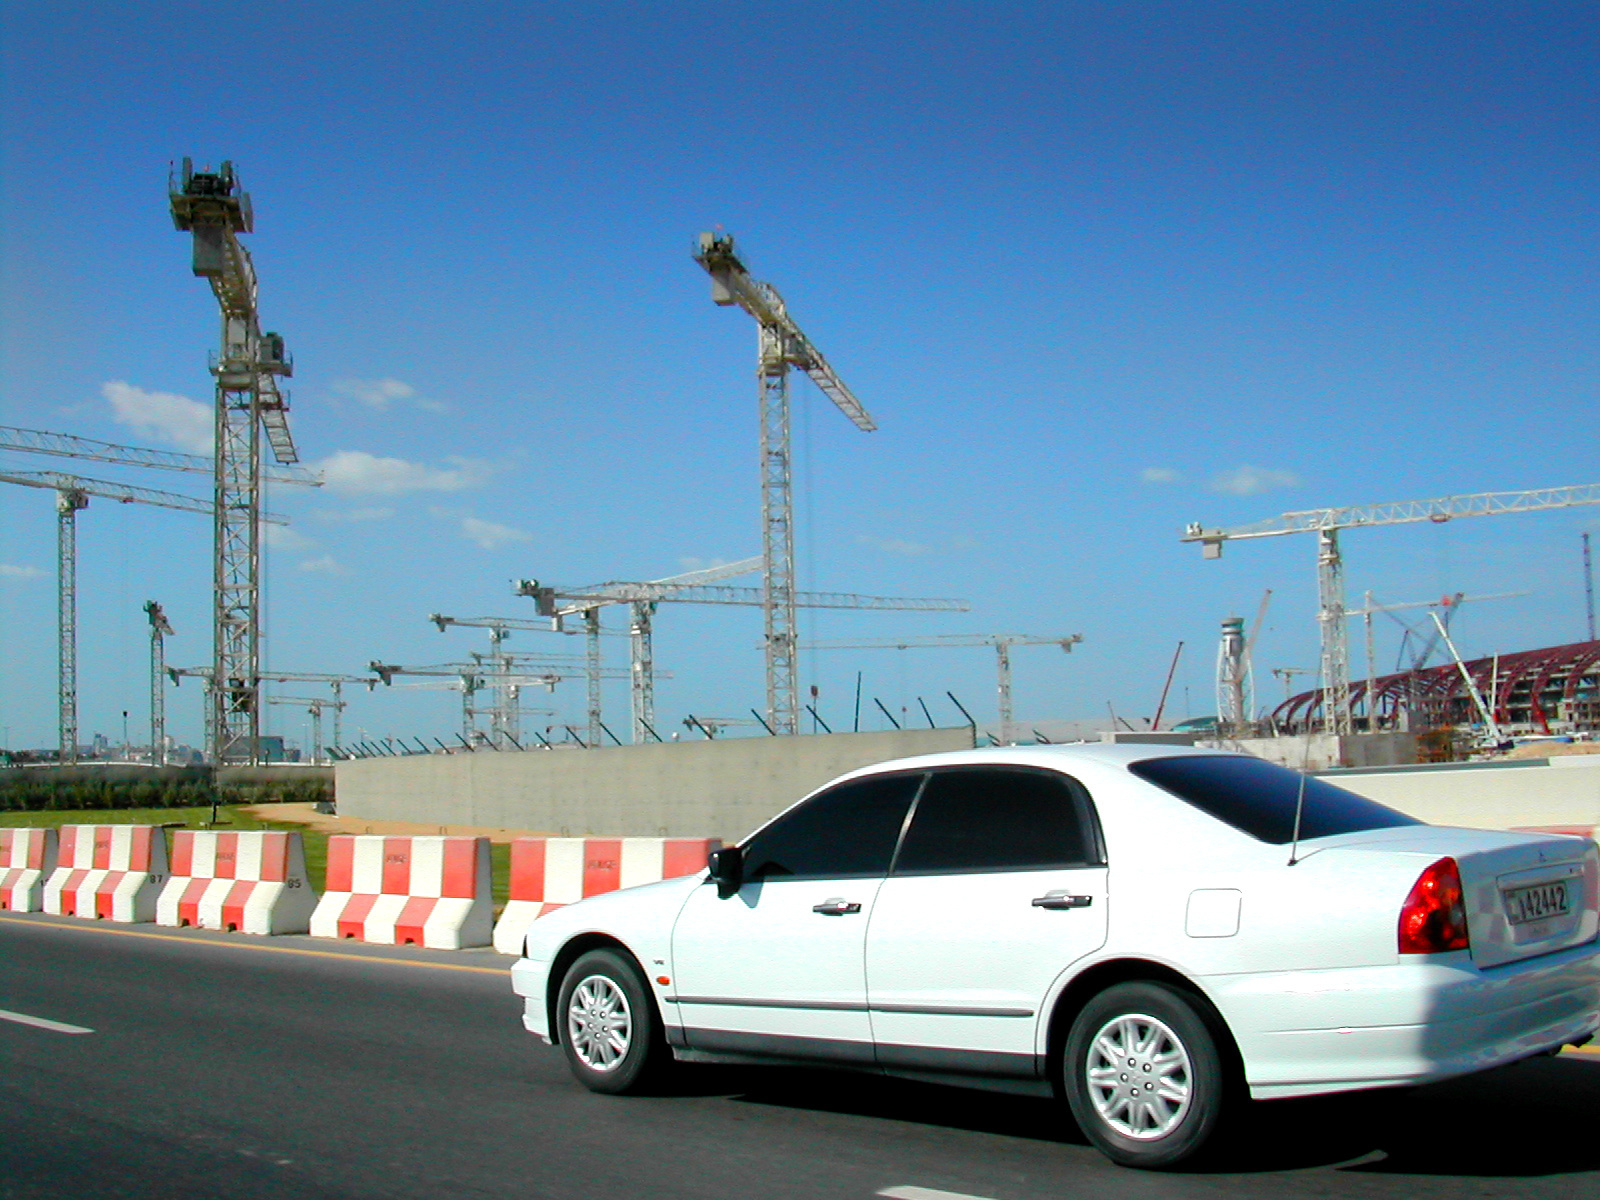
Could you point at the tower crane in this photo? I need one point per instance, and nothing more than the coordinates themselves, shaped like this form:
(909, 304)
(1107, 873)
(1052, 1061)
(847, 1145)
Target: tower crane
(1287, 674)
(212, 207)
(72, 496)
(1326, 524)
(66, 445)
(1002, 643)
(1451, 604)
(314, 705)
(500, 629)
(335, 682)
(472, 679)
(554, 603)
(160, 629)
(640, 633)
(781, 345)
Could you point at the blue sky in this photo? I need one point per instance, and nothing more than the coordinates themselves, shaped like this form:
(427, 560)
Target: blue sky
(1098, 270)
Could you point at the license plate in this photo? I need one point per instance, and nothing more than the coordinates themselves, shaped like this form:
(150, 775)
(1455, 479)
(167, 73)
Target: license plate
(1539, 902)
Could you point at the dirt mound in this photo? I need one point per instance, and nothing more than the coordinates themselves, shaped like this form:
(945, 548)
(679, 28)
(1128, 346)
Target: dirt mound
(307, 815)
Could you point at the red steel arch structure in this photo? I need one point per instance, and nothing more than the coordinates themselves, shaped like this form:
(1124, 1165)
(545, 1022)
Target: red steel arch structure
(1555, 689)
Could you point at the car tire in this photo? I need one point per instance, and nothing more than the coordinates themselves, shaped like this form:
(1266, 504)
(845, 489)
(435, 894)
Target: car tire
(1145, 1076)
(609, 1028)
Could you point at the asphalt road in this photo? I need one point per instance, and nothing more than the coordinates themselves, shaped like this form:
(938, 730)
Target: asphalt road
(231, 1068)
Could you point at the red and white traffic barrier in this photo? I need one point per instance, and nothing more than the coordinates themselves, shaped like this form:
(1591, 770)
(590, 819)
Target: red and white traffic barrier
(26, 857)
(547, 873)
(431, 891)
(247, 882)
(112, 871)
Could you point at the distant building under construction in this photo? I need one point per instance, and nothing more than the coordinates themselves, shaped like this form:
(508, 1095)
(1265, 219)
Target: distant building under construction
(1551, 691)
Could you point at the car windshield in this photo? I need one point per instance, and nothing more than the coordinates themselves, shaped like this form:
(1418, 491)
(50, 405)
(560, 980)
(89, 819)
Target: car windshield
(1259, 798)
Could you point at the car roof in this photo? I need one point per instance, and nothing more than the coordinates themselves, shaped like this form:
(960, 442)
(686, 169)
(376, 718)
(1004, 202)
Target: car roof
(1058, 757)
(1093, 762)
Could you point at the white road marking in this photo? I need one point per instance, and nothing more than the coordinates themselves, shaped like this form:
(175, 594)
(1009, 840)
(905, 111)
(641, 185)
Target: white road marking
(41, 1023)
(922, 1193)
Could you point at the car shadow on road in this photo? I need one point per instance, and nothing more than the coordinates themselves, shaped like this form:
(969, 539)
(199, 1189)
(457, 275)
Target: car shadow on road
(881, 1097)
(1529, 1119)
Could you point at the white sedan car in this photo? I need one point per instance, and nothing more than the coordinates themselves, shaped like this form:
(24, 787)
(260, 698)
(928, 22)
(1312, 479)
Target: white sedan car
(1151, 932)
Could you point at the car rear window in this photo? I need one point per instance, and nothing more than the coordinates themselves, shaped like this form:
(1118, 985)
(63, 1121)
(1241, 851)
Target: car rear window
(1259, 798)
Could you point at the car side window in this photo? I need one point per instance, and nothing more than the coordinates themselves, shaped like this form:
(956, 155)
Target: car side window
(849, 831)
(999, 819)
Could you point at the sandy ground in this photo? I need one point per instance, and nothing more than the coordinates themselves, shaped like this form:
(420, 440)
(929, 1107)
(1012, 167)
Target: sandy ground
(307, 815)
(1552, 749)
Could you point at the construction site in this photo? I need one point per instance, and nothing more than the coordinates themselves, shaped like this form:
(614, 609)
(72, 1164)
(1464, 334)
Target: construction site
(1433, 707)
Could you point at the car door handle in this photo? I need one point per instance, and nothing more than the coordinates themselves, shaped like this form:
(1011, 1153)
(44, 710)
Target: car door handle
(836, 907)
(1062, 899)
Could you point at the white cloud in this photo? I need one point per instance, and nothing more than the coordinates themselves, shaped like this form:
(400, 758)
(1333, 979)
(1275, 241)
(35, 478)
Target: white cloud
(7, 571)
(165, 416)
(381, 393)
(893, 545)
(356, 472)
(490, 535)
(1252, 481)
(323, 565)
(1159, 475)
(281, 537)
(353, 516)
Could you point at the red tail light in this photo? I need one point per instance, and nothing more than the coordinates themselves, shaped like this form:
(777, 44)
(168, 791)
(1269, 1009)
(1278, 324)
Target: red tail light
(1434, 916)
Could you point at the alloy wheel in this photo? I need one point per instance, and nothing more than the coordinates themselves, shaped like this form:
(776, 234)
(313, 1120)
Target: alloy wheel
(599, 1023)
(1139, 1076)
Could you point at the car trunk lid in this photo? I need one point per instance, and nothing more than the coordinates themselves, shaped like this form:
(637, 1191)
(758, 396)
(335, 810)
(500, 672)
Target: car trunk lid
(1526, 894)
(1530, 897)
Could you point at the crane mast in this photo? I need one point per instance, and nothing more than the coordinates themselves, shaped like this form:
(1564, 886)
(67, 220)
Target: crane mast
(160, 629)
(69, 500)
(215, 210)
(780, 345)
(1326, 524)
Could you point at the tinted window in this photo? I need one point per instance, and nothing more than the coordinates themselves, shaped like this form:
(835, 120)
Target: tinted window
(995, 820)
(850, 830)
(1259, 798)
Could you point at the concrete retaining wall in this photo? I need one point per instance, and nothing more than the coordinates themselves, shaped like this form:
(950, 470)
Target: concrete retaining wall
(1564, 790)
(720, 789)
(1324, 751)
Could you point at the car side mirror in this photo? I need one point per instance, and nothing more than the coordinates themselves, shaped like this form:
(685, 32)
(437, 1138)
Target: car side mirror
(727, 869)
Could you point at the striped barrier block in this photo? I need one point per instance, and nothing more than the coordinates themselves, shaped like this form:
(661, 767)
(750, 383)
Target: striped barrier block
(246, 882)
(112, 871)
(26, 857)
(428, 891)
(547, 873)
